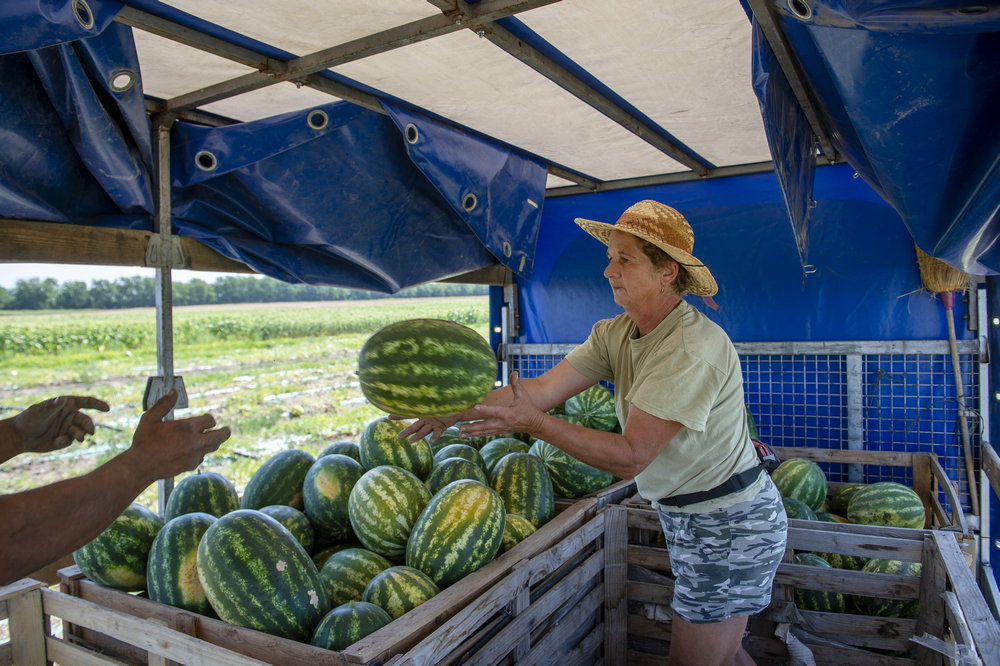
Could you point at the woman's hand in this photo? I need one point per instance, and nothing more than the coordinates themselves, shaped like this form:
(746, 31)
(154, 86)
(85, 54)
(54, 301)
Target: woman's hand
(423, 427)
(521, 415)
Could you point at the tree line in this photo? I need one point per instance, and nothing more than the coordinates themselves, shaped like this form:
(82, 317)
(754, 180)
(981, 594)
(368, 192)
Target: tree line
(133, 292)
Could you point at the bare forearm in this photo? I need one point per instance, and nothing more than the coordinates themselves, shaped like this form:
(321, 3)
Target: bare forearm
(41, 525)
(9, 441)
(607, 451)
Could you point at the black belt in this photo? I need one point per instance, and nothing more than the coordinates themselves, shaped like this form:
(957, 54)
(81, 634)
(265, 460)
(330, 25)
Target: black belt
(736, 482)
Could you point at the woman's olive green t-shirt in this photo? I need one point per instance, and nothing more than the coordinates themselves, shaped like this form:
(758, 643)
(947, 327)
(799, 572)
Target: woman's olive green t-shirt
(684, 370)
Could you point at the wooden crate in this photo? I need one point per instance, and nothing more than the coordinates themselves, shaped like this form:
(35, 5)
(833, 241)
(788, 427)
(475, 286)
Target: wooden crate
(599, 596)
(929, 479)
(392, 639)
(616, 493)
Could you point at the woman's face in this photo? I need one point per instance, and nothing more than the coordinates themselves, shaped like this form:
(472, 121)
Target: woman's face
(634, 280)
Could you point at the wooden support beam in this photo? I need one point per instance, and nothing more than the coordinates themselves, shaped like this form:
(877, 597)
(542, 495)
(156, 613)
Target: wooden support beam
(27, 241)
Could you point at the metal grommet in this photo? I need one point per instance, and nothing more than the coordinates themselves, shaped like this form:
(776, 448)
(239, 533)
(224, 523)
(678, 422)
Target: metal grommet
(205, 160)
(84, 15)
(507, 249)
(122, 80)
(469, 202)
(412, 134)
(317, 119)
(800, 9)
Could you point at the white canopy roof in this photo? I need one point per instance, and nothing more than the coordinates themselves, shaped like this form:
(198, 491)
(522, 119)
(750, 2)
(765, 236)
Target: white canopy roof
(684, 64)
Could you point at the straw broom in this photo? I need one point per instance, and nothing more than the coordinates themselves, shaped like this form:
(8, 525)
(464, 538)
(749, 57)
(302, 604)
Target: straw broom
(940, 278)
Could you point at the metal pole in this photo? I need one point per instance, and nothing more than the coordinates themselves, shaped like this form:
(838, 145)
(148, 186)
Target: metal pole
(991, 527)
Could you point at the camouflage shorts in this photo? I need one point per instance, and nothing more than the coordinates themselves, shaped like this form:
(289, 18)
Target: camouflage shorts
(724, 561)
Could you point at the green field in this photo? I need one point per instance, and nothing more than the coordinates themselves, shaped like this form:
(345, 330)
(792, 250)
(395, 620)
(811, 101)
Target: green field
(280, 375)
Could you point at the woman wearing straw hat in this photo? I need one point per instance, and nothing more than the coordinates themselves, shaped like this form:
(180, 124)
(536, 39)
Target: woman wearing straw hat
(679, 396)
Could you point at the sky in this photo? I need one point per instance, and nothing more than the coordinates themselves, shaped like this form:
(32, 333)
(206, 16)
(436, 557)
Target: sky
(11, 273)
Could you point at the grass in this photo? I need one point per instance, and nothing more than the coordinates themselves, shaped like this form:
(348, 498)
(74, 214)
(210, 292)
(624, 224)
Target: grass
(280, 376)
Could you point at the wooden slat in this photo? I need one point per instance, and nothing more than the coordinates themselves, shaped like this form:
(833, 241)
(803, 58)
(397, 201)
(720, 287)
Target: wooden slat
(141, 633)
(977, 614)
(56, 243)
(550, 643)
(27, 626)
(887, 586)
(933, 582)
(615, 583)
(958, 519)
(991, 465)
(650, 593)
(6, 655)
(507, 639)
(817, 538)
(887, 458)
(410, 628)
(62, 652)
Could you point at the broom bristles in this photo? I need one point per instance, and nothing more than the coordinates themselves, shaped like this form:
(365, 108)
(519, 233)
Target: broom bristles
(938, 276)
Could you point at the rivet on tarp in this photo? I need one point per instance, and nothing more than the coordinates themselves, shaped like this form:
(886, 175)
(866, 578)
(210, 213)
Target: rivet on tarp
(205, 160)
(469, 203)
(317, 119)
(532, 203)
(800, 9)
(122, 80)
(411, 133)
(507, 249)
(83, 13)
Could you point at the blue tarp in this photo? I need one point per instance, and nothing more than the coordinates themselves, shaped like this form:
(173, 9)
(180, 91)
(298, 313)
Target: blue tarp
(332, 195)
(909, 93)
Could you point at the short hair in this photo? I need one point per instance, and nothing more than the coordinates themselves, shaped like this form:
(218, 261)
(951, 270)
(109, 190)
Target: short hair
(660, 259)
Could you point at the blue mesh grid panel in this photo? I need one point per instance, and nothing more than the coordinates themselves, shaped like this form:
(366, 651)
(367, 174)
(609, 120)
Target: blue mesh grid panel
(907, 404)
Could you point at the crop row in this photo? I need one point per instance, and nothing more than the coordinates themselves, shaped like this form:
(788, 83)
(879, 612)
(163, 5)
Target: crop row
(54, 335)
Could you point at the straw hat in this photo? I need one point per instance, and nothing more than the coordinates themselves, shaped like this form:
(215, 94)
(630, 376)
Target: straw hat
(665, 228)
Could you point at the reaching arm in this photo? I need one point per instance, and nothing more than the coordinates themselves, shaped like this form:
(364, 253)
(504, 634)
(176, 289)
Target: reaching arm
(48, 425)
(624, 455)
(547, 390)
(41, 525)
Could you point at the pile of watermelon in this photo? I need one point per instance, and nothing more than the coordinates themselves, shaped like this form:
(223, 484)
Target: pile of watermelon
(807, 496)
(328, 549)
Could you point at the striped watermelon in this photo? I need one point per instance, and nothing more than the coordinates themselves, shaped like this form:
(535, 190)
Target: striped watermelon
(325, 552)
(278, 480)
(453, 469)
(381, 445)
(517, 529)
(118, 557)
(815, 600)
(400, 589)
(570, 477)
(173, 563)
(797, 509)
(459, 531)
(460, 451)
(383, 506)
(497, 448)
(523, 483)
(347, 624)
(426, 367)
(344, 448)
(325, 493)
(204, 492)
(842, 497)
(295, 522)
(347, 573)
(801, 479)
(594, 407)
(886, 503)
(906, 608)
(257, 575)
(448, 437)
(841, 561)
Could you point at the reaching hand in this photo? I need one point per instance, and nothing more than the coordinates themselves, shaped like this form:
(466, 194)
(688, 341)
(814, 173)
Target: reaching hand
(55, 423)
(423, 427)
(521, 415)
(168, 448)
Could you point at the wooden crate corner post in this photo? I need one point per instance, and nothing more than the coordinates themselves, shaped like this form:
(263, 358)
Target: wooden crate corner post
(26, 621)
(615, 584)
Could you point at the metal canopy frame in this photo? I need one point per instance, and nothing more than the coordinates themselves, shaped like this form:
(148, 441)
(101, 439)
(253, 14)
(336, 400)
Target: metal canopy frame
(456, 15)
